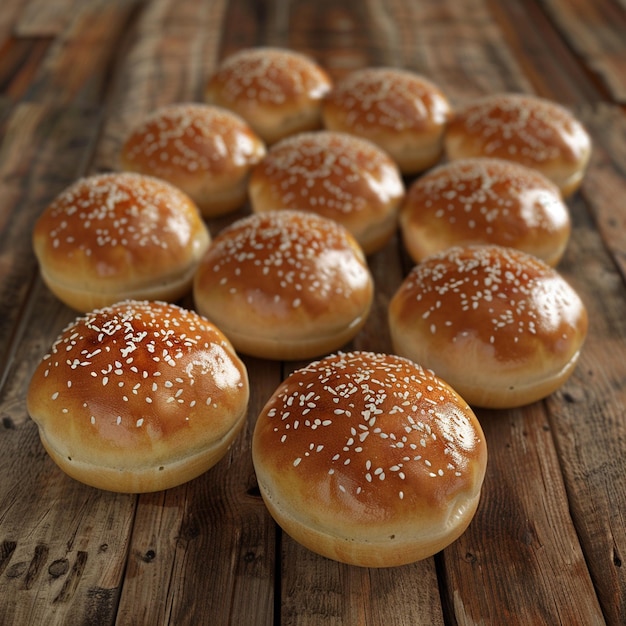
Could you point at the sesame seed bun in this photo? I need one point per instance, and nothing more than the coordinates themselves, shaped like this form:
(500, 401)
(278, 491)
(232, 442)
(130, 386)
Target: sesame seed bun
(480, 200)
(285, 285)
(204, 150)
(403, 113)
(138, 397)
(526, 129)
(113, 237)
(336, 175)
(369, 459)
(277, 91)
(499, 325)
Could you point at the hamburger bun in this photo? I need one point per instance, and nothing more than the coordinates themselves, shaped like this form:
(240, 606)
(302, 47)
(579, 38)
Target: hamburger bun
(485, 201)
(138, 397)
(285, 285)
(499, 325)
(277, 91)
(112, 237)
(339, 176)
(533, 131)
(206, 151)
(402, 112)
(369, 459)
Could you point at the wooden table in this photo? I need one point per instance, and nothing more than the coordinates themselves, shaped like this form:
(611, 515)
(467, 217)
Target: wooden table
(548, 543)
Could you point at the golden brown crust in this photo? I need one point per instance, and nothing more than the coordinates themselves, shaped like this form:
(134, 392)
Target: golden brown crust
(277, 91)
(138, 397)
(500, 326)
(369, 459)
(336, 175)
(526, 129)
(285, 285)
(203, 150)
(481, 200)
(118, 236)
(403, 113)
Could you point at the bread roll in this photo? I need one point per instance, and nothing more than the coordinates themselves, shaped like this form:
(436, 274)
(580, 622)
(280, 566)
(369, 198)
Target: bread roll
(138, 397)
(499, 325)
(336, 175)
(285, 285)
(204, 150)
(403, 113)
(369, 459)
(480, 200)
(112, 237)
(526, 129)
(277, 91)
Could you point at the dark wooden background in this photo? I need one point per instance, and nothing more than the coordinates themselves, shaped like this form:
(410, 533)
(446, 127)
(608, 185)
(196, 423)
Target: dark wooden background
(548, 543)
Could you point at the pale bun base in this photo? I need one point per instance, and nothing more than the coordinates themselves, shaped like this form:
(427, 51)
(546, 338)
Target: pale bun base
(295, 349)
(567, 178)
(504, 391)
(214, 203)
(370, 237)
(377, 236)
(412, 160)
(272, 129)
(82, 299)
(386, 551)
(412, 153)
(566, 182)
(143, 479)
(211, 198)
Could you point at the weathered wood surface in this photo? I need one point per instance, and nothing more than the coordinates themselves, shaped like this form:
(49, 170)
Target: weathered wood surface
(548, 543)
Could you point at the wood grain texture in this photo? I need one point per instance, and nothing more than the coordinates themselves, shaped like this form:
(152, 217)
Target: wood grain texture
(597, 32)
(588, 420)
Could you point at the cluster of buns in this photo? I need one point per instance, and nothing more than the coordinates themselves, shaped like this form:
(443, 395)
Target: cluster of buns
(370, 459)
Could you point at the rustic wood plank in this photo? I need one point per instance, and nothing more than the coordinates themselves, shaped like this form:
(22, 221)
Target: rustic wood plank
(605, 186)
(76, 68)
(45, 145)
(9, 15)
(242, 27)
(602, 189)
(316, 591)
(41, 18)
(458, 45)
(65, 544)
(341, 37)
(597, 32)
(73, 537)
(19, 61)
(206, 548)
(465, 601)
(542, 54)
(44, 148)
(521, 521)
(218, 522)
(587, 416)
